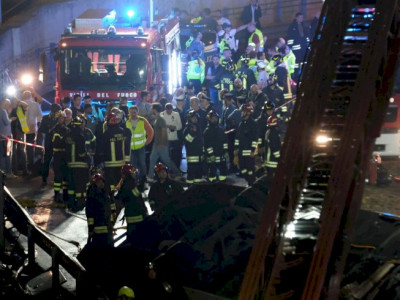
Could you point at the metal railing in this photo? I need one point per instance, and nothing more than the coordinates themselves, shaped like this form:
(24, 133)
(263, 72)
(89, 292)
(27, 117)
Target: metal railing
(20, 219)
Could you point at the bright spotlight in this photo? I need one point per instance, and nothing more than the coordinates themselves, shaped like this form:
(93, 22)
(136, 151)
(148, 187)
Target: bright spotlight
(11, 91)
(130, 13)
(26, 79)
(323, 139)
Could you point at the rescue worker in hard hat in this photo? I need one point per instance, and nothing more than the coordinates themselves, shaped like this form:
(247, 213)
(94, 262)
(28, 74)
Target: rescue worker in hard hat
(130, 195)
(57, 144)
(226, 78)
(114, 149)
(100, 213)
(246, 144)
(48, 122)
(267, 111)
(163, 190)
(216, 148)
(245, 74)
(275, 94)
(77, 162)
(193, 139)
(272, 146)
(125, 293)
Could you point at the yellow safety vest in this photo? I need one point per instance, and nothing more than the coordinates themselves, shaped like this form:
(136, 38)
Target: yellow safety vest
(196, 70)
(138, 139)
(260, 37)
(22, 119)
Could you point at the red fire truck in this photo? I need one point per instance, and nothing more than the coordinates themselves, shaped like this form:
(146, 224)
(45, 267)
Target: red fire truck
(106, 58)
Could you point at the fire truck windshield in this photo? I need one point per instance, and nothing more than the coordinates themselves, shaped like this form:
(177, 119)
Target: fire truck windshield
(105, 68)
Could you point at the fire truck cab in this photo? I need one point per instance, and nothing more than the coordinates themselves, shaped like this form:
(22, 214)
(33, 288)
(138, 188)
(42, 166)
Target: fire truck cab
(107, 58)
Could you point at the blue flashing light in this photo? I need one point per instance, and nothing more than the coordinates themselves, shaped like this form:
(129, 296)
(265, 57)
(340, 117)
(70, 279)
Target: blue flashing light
(130, 13)
(111, 16)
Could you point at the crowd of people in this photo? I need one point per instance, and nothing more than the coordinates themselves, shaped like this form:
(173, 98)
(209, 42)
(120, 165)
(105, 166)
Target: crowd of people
(228, 118)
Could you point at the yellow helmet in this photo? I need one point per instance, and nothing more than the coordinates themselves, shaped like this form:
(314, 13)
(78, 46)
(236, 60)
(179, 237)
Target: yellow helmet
(126, 291)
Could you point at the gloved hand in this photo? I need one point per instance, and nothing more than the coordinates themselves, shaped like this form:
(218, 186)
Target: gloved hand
(236, 160)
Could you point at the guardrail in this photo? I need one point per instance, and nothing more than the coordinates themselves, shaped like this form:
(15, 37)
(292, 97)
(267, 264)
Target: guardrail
(21, 220)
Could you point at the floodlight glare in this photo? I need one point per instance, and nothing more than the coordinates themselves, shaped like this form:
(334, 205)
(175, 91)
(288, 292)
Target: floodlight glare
(11, 91)
(26, 79)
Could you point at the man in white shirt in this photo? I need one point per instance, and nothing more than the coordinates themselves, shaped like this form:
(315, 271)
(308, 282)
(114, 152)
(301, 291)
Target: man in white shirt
(174, 124)
(33, 117)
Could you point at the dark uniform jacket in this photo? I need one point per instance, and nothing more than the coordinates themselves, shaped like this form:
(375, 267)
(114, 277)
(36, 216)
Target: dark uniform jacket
(272, 147)
(58, 134)
(262, 128)
(246, 137)
(132, 198)
(161, 194)
(225, 80)
(215, 142)
(247, 76)
(99, 208)
(193, 139)
(115, 146)
(76, 149)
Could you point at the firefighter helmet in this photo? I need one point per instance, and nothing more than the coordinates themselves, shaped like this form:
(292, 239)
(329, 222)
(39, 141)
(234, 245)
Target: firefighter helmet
(128, 169)
(126, 291)
(212, 113)
(245, 59)
(269, 105)
(192, 113)
(278, 59)
(247, 108)
(118, 113)
(112, 119)
(77, 121)
(228, 64)
(159, 167)
(272, 121)
(97, 177)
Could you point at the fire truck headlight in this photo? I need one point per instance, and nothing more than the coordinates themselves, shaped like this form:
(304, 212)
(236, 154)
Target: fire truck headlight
(322, 140)
(11, 91)
(26, 79)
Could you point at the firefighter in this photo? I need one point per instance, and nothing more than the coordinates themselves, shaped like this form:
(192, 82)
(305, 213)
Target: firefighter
(226, 78)
(272, 146)
(246, 144)
(57, 144)
(77, 162)
(90, 142)
(100, 213)
(259, 99)
(230, 127)
(245, 74)
(114, 150)
(216, 148)
(275, 94)
(193, 139)
(163, 190)
(129, 193)
(268, 110)
(48, 122)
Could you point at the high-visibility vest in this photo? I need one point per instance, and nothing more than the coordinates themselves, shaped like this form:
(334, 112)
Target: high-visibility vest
(260, 37)
(138, 139)
(196, 70)
(22, 119)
